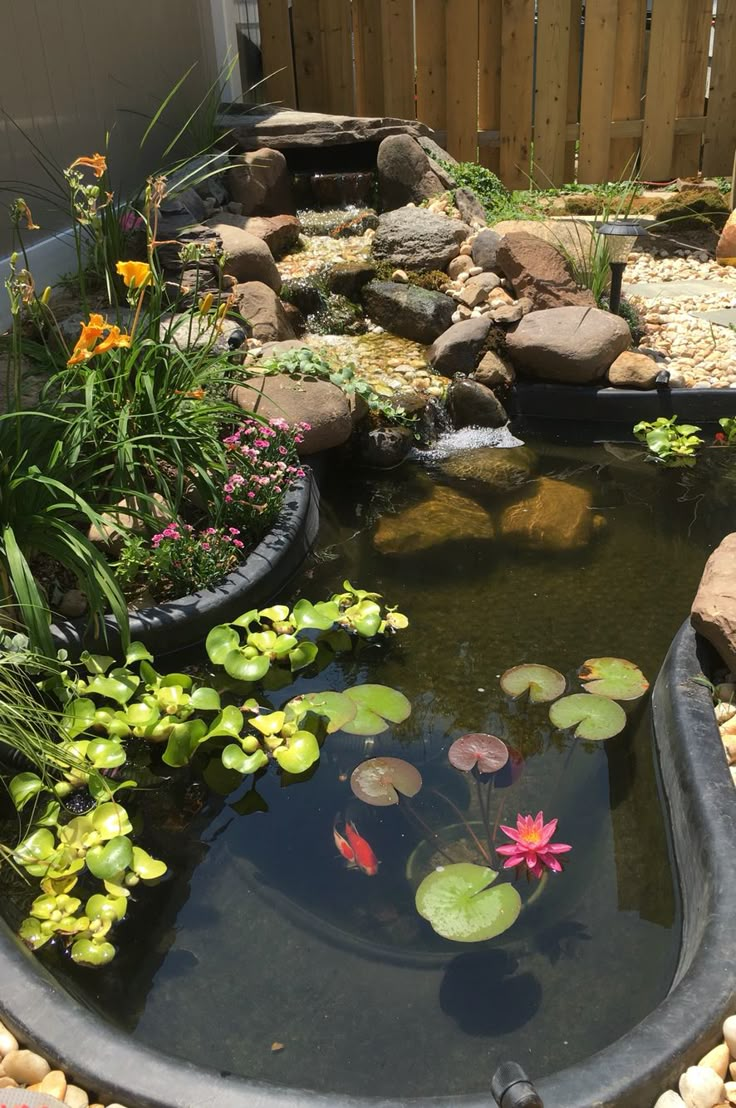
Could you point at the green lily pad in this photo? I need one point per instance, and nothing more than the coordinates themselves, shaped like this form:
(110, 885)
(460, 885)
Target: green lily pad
(379, 781)
(614, 677)
(109, 861)
(541, 682)
(336, 707)
(88, 953)
(220, 641)
(486, 752)
(301, 752)
(376, 704)
(235, 758)
(593, 717)
(460, 905)
(23, 786)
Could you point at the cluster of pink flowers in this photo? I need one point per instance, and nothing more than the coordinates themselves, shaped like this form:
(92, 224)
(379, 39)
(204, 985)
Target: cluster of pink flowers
(264, 463)
(183, 560)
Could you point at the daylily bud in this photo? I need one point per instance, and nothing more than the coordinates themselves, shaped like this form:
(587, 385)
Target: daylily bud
(46, 295)
(206, 303)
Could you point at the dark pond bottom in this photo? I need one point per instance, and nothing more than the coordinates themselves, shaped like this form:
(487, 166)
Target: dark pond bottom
(262, 935)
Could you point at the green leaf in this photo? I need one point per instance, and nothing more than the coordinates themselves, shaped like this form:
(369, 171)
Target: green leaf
(147, 868)
(593, 717)
(283, 644)
(106, 907)
(337, 708)
(205, 699)
(247, 619)
(177, 681)
(104, 754)
(137, 652)
(613, 677)
(229, 723)
(246, 669)
(85, 952)
(263, 641)
(220, 642)
(183, 741)
(379, 781)
(278, 613)
(301, 752)
(542, 683)
(78, 716)
(384, 701)
(235, 758)
(119, 685)
(32, 935)
(319, 616)
(36, 847)
(460, 906)
(110, 861)
(24, 786)
(96, 663)
(302, 655)
(111, 820)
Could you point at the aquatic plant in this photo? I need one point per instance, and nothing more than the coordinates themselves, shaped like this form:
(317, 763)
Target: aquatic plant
(593, 717)
(670, 442)
(460, 904)
(532, 845)
(380, 781)
(541, 682)
(613, 677)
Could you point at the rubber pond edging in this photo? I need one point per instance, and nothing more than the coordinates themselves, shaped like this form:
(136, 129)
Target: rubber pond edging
(628, 1074)
(182, 623)
(604, 404)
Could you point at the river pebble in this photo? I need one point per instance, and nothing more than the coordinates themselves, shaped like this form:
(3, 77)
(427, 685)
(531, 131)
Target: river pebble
(701, 1087)
(8, 1041)
(25, 1067)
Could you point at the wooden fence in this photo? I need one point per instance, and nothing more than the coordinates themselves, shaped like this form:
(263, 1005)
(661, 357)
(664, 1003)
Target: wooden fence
(544, 90)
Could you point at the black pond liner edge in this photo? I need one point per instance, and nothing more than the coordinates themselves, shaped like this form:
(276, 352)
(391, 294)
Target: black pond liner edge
(181, 623)
(630, 1073)
(536, 400)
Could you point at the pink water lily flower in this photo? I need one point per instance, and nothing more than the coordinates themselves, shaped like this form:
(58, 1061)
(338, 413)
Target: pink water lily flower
(532, 846)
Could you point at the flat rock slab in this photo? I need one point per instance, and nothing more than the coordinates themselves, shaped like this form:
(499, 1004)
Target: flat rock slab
(554, 516)
(722, 317)
(659, 290)
(287, 129)
(713, 613)
(322, 405)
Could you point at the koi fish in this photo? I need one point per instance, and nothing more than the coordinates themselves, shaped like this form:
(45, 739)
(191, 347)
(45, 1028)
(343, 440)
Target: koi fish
(356, 850)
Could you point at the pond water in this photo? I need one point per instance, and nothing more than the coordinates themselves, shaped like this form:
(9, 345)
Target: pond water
(263, 935)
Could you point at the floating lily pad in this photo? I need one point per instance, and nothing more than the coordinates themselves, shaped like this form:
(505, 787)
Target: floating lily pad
(593, 717)
(541, 682)
(336, 707)
(380, 780)
(459, 904)
(614, 677)
(484, 751)
(376, 704)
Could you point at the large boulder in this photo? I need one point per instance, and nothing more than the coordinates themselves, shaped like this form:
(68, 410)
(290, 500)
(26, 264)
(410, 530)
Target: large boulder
(263, 310)
(713, 612)
(485, 248)
(554, 516)
(349, 278)
(260, 181)
(287, 129)
(322, 405)
(632, 370)
(499, 469)
(405, 173)
(445, 516)
(279, 232)
(248, 257)
(471, 404)
(726, 248)
(459, 348)
(572, 345)
(413, 238)
(407, 310)
(538, 270)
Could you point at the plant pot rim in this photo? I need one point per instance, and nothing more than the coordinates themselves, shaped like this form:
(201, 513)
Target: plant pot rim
(184, 622)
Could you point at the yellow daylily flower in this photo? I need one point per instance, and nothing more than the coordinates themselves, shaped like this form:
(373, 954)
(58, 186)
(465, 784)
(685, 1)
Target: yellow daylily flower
(114, 340)
(135, 274)
(97, 163)
(88, 344)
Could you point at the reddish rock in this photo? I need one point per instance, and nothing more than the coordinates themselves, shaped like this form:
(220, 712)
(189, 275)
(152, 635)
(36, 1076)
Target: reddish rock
(248, 257)
(263, 310)
(713, 612)
(538, 270)
(279, 232)
(572, 345)
(726, 249)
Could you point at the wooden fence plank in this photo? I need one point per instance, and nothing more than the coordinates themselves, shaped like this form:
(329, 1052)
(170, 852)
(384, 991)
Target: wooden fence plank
(278, 63)
(489, 76)
(660, 101)
(573, 85)
(517, 45)
(691, 86)
(461, 20)
(627, 84)
(431, 64)
(308, 64)
(337, 55)
(368, 57)
(550, 104)
(596, 101)
(720, 123)
(397, 31)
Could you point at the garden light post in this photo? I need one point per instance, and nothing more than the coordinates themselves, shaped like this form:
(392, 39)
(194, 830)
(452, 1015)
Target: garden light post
(621, 234)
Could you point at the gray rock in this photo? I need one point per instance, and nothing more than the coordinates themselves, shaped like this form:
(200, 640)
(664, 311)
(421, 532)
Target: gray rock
(384, 447)
(263, 310)
(507, 313)
(475, 290)
(288, 129)
(73, 604)
(573, 344)
(470, 207)
(350, 278)
(186, 202)
(177, 231)
(459, 348)
(461, 264)
(471, 404)
(538, 270)
(206, 175)
(191, 331)
(485, 248)
(435, 151)
(405, 173)
(248, 257)
(407, 310)
(413, 238)
(494, 371)
(260, 181)
(321, 404)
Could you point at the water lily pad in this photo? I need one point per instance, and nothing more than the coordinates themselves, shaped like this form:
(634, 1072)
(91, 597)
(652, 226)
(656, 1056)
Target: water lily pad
(301, 752)
(614, 677)
(376, 704)
(593, 717)
(379, 781)
(460, 905)
(336, 707)
(541, 682)
(486, 752)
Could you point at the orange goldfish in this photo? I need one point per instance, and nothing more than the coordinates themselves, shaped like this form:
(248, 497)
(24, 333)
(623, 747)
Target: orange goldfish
(356, 850)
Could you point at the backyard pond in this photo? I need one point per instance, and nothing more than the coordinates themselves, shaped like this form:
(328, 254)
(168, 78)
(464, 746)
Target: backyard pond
(266, 954)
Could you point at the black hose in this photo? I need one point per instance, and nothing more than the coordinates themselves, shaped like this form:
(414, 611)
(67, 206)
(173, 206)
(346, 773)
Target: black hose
(14, 760)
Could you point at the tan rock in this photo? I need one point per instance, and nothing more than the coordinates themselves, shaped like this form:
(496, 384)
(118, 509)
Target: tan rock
(446, 516)
(8, 1083)
(279, 232)
(25, 1067)
(729, 1024)
(476, 289)
(574, 345)
(717, 1059)
(260, 305)
(726, 248)
(633, 371)
(106, 535)
(553, 516)
(8, 1041)
(670, 1099)
(260, 181)
(538, 270)
(713, 612)
(701, 1087)
(76, 1097)
(248, 257)
(731, 1091)
(500, 469)
(493, 370)
(462, 264)
(321, 404)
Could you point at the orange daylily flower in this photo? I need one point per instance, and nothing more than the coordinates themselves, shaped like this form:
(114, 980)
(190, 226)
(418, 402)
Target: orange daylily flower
(88, 343)
(97, 163)
(135, 274)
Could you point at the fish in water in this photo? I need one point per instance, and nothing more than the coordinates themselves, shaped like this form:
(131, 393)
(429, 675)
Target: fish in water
(356, 850)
